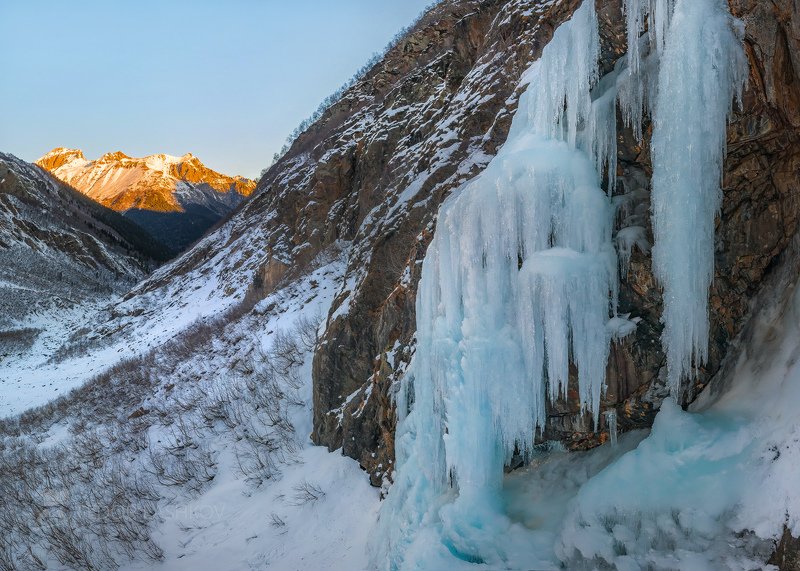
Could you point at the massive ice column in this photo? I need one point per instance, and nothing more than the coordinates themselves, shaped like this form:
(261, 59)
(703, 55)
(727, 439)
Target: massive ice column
(701, 71)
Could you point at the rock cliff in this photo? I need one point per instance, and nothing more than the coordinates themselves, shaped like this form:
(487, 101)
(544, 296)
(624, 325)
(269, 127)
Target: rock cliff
(370, 333)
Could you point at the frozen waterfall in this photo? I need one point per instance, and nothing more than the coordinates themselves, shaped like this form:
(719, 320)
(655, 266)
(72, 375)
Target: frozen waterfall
(520, 280)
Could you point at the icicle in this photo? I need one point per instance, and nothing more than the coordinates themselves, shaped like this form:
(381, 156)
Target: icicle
(599, 138)
(635, 12)
(657, 15)
(638, 86)
(556, 110)
(660, 15)
(611, 423)
(568, 103)
(702, 71)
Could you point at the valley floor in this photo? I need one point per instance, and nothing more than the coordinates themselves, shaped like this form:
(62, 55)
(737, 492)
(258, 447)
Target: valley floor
(708, 489)
(32, 376)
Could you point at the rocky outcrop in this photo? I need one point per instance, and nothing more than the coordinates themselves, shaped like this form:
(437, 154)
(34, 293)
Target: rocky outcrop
(59, 157)
(176, 199)
(191, 169)
(787, 553)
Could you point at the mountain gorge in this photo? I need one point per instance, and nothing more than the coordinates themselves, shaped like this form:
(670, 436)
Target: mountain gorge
(484, 188)
(58, 245)
(176, 199)
(59, 252)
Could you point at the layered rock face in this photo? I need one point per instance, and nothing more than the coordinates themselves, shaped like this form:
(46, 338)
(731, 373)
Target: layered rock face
(176, 199)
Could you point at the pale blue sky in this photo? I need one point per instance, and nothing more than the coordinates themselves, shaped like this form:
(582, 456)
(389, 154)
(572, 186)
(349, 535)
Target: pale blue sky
(226, 80)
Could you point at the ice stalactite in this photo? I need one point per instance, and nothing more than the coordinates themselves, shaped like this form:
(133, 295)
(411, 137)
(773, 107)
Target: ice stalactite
(611, 422)
(702, 70)
(656, 15)
(517, 286)
(638, 85)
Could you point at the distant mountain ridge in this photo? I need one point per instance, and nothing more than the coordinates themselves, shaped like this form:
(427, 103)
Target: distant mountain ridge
(175, 199)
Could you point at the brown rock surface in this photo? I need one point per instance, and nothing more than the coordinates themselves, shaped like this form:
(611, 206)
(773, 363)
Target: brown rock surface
(787, 553)
(59, 157)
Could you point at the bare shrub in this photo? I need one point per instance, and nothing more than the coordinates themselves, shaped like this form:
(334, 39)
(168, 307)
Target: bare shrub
(17, 340)
(276, 521)
(305, 492)
(82, 515)
(182, 460)
(256, 408)
(91, 501)
(307, 331)
(286, 353)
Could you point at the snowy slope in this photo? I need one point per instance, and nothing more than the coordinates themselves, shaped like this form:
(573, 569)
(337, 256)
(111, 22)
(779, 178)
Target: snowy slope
(77, 345)
(219, 433)
(275, 525)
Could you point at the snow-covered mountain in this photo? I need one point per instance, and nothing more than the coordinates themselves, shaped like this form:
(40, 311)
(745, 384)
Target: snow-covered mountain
(427, 282)
(176, 199)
